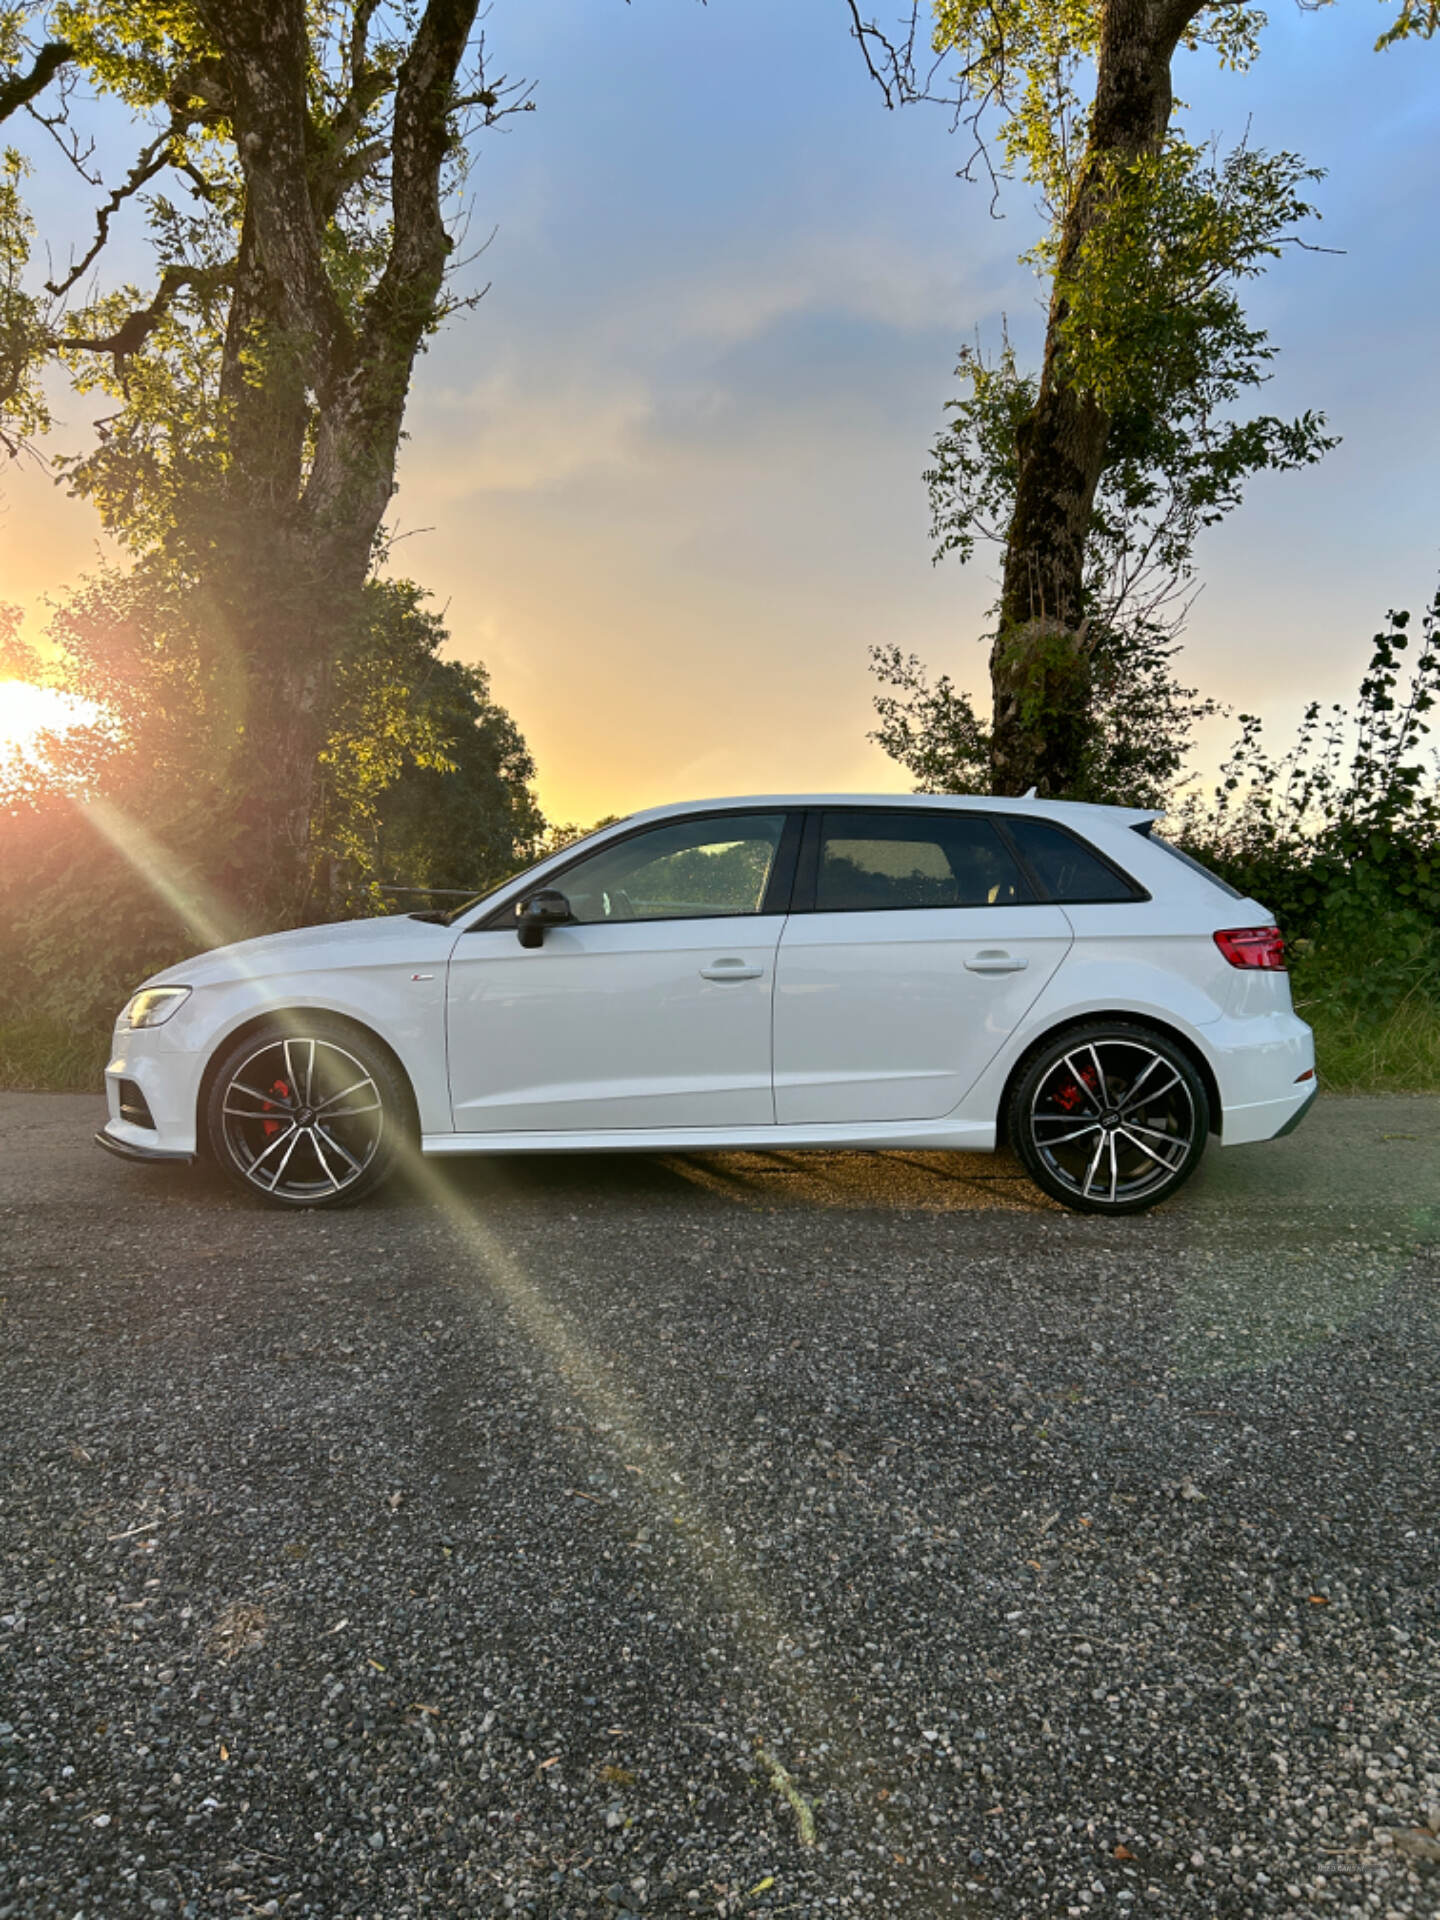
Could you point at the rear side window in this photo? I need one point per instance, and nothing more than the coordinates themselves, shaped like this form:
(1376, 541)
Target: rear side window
(1066, 868)
(1147, 831)
(871, 861)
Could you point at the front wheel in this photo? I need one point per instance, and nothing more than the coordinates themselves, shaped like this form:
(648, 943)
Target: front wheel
(307, 1113)
(1109, 1118)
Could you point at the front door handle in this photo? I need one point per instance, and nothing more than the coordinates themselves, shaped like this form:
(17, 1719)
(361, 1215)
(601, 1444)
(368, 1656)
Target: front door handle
(730, 970)
(995, 960)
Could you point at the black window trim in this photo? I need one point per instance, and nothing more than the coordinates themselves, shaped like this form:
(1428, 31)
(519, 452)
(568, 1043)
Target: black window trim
(1137, 892)
(808, 868)
(778, 888)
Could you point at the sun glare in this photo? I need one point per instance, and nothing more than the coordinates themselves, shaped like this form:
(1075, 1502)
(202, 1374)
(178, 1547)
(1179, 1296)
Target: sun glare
(27, 712)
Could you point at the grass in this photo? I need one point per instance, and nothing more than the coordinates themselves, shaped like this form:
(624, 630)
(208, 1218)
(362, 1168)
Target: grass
(1357, 1053)
(49, 1056)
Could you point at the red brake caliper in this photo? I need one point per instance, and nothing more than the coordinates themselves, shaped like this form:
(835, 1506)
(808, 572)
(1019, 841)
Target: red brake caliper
(1069, 1097)
(273, 1126)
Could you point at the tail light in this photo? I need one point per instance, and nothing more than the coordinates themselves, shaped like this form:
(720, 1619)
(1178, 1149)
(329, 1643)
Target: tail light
(1253, 947)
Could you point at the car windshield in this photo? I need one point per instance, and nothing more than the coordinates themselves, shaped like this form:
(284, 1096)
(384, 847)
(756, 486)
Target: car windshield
(449, 918)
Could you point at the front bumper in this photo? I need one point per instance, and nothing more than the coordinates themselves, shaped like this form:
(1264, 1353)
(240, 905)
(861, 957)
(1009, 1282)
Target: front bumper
(135, 1149)
(167, 1078)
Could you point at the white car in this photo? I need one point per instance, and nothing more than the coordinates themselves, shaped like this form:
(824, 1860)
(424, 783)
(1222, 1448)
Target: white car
(829, 970)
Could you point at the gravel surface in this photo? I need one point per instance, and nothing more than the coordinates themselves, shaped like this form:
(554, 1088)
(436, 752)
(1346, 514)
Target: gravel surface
(796, 1534)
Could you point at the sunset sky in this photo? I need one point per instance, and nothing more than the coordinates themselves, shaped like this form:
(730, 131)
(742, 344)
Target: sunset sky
(665, 479)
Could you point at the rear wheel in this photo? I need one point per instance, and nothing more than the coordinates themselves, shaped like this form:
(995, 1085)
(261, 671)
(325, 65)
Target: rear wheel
(1109, 1118)
(308, 1113)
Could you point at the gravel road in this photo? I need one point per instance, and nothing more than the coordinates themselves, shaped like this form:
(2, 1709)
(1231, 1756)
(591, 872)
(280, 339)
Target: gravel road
(812, 1535)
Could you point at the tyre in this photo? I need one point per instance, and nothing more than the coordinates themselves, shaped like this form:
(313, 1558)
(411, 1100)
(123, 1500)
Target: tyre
(307, 1113)
(1109, 1117)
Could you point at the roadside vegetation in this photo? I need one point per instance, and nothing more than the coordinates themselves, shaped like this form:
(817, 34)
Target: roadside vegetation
(1340, 837)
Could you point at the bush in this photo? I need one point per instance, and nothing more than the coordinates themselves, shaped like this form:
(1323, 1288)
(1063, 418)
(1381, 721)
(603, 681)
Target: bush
(1340, 838)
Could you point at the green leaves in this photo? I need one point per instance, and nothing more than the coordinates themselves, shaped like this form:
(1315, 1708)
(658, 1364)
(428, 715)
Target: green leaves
(1147, 306)
(1340, 835)
(24, 411)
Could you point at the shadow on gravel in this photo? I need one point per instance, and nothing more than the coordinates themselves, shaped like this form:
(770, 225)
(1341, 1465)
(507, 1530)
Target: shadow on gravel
(898, 1182)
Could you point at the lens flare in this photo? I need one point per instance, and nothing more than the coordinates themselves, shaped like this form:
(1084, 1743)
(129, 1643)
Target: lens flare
(28, 713)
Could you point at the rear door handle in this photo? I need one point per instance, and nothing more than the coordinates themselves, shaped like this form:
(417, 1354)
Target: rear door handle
(995, 960)
(730, 970)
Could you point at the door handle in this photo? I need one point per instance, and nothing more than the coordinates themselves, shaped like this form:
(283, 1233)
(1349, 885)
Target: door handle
(995, 960)
(730, 970)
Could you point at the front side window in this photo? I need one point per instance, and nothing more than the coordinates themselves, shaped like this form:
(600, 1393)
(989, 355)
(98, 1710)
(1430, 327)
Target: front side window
(688, 870)
(871, 861)
(1066, 868)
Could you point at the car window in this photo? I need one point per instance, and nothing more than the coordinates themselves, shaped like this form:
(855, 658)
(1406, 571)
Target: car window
(878, 860)
(1066, 868)
(685, 870)
(1147, 830)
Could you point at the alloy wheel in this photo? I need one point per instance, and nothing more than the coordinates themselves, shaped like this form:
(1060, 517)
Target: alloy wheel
(303, 1118)
(1113, 1122)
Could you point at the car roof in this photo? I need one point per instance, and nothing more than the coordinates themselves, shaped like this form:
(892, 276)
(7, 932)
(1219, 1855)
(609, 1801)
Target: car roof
(1075, 812)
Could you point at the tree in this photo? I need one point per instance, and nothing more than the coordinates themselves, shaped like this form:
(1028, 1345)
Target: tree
(421, 779)
(1148, 239)
(260, 385)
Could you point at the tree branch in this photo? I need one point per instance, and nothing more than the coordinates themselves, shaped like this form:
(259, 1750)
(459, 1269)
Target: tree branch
(135, 329)
(152, 159)
(20, 91)
(891, 63)
(422, 138)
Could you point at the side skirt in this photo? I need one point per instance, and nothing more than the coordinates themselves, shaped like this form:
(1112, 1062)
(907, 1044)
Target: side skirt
(936, 1135)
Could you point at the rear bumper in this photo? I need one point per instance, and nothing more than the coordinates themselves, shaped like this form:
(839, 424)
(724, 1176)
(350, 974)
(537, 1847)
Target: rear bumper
(136, 1150)
(1300, 1112)
(1259, 1064)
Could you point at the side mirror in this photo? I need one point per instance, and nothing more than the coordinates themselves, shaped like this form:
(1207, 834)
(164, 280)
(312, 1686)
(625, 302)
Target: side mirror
(548, 908)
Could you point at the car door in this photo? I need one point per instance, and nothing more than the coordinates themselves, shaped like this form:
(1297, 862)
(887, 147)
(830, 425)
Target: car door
(650, 1008)
(915, 947)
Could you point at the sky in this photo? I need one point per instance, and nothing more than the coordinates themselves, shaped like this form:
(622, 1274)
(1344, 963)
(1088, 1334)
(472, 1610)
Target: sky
(665, 479)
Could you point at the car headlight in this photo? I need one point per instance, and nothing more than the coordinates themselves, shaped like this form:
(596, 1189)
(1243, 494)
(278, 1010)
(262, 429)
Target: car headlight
(153, 1006)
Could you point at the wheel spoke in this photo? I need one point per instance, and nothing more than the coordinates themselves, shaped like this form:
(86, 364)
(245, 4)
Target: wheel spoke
(1094, 1099)
(343, 1152)
(1114, 1168)
(1077, 1128)
(1139, 1081)
(1102, 1091)
(1094, 1167)
(315, 1136)
(1160, 1161)
(279, 1173)
(1175, 1080)
(278, 1141)
(1156, 1133)
(344, 1093)
(265, 1099)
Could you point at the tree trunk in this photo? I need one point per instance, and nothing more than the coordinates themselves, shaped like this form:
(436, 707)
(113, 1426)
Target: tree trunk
(315, 401)
(1039, 665)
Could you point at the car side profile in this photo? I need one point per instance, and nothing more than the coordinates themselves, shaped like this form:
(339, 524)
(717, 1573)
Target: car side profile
(821, 971)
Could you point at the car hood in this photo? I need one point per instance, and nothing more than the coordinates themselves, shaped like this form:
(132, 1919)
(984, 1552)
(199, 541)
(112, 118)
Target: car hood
(341, 943)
